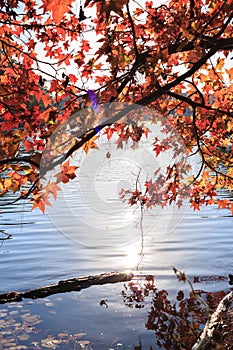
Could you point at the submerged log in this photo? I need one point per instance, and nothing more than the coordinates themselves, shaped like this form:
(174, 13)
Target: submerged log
(69, 285)
(215, 325)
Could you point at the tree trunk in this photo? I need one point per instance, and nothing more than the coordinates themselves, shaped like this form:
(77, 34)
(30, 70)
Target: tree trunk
(214, 328)
(69, 285)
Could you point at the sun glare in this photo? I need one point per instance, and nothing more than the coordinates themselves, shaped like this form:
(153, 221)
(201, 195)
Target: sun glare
(132, 255)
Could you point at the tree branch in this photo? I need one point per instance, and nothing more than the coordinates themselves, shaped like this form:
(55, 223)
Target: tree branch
(18, 160)
(144, 101)
(69, 285)
(197, 104)
(206, 42)
(133, 30)
(164, 89)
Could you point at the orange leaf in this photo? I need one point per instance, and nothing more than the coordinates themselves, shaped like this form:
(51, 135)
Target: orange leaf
(52, 188)
(195, 205)
(222, 203)
(231, 208)
(40, 201)
(85, 45)
(67, 172)
(115, 6)
(90, 144)
(205, 175)
(109, 132)
(57, 7)
(230, 73)
(220, 63)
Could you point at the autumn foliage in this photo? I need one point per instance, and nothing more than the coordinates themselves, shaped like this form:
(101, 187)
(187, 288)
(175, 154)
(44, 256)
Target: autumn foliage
(174, 57)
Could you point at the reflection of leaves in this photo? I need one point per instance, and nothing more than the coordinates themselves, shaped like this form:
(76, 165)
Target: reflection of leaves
(135, 293)
(177, 324)
(50, 342)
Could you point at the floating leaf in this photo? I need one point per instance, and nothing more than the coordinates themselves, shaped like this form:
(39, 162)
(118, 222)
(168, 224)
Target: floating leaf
(23, 336)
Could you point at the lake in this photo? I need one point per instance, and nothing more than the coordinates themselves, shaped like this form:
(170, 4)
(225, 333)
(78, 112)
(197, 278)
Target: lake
(90, 231)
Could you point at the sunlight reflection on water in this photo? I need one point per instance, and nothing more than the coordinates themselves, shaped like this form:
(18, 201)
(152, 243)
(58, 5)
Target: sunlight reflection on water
(38, 254)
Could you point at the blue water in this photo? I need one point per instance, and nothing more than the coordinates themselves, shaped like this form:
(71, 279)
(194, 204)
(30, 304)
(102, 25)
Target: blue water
(72, 242)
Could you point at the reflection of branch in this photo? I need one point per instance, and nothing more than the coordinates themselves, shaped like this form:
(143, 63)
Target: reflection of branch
(7, 235)
(142, 238)
(182, 277)
(142, 202)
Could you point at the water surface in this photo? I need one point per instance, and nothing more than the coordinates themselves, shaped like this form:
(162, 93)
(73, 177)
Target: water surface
(39, 253)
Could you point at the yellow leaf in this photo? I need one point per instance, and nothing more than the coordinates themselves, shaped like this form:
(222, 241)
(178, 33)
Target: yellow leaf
(229, 126)
(90, 144)
(7, 183)
(220, 63)
(190, 179)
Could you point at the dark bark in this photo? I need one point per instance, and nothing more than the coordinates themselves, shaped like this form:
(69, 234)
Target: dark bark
(69, 285)
(215, 325)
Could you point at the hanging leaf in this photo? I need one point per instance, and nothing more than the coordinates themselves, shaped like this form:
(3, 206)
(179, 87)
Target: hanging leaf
(90, 144)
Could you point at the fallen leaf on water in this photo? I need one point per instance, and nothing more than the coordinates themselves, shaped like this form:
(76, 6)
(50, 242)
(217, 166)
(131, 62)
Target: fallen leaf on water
(15, 312)
(49, 304)
(23, 336)
(52, 312)
(62, 335)
(79, 335)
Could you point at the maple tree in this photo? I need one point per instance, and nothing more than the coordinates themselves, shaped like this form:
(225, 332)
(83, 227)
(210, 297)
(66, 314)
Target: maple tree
(174, 57)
